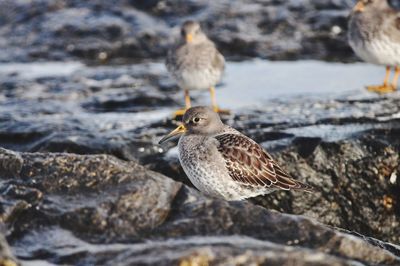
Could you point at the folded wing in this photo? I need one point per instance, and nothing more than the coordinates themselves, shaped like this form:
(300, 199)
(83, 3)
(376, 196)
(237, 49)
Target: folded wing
(249, 164)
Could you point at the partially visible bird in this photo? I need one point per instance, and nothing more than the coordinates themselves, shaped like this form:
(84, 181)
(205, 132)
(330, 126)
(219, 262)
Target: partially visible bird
(374, 35)
(195, 64)
(222, 162)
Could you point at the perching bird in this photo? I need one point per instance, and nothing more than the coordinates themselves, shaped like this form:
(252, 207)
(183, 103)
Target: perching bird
(222, 162)
(374, 35)
(195, 64)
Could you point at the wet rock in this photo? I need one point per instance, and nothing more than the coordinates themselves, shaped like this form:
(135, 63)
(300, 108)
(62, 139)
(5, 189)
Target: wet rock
(353, 178)
(91, 200)
(105, 210)
(87, 193)
(94, 31)
(100, 31)
(10, 162)
(226, 250)
(128, 101)
(82, 114)
(355, 172)
(331, 143)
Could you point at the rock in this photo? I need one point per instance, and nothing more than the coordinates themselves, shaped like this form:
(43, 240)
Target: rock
(10, 162)
(100, 31)
(353, 181)
(64, 208)
(58, 176)
(330, 143)
(96, 110)
(83, 114)
(91, 200)
(227, 250)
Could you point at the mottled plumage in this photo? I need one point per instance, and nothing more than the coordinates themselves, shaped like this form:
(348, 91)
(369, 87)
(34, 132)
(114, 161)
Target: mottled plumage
(248, 163)
(222, 162)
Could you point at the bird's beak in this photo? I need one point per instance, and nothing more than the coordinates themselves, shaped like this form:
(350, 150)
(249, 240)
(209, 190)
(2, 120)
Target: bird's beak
(189, 38)
(176, 132)
(359, 7)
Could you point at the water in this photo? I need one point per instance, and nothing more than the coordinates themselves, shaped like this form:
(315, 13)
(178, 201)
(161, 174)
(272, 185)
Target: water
(40, 69)
(268, 85)
(293, 94)
(249, 83)
(253, 83)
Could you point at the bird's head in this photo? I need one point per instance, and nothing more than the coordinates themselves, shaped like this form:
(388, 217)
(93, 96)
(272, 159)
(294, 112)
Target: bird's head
(363, 5)
(199, 120)
(191, 32)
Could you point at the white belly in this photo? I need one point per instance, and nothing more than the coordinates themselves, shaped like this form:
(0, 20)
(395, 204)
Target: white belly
(209, 178)
(380, 51)
(199, 80)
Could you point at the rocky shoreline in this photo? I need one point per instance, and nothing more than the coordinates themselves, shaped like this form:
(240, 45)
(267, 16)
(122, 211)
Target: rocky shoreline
(103, 200)
(125, 210)
(83, 180)
(131, 30)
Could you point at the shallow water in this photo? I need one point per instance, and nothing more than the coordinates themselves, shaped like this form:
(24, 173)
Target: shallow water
(249, 82)
(40, 69)
(254, 82)
(285, 92)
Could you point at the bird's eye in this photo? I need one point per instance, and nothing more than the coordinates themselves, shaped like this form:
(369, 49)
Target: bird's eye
(183, 33)
(196, 120)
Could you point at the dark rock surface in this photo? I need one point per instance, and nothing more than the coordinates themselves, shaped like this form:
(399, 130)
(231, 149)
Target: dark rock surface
(353, 177)
(100, 199)
(83, 182)
(98, 209)
(137, 29)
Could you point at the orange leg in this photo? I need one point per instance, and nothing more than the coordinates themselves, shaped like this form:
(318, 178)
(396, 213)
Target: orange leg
(396, 77)
(385, 81)
(214, 103)
(181, 112)
(213, 99)
(385, 87)
(187, 100)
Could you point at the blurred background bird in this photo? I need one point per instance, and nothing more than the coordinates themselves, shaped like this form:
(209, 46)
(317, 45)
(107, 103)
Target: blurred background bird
(195, 64)
(374, 35)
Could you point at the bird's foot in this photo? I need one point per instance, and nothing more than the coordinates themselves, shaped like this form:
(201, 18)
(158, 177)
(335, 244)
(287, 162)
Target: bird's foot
(179, 113)
(221, 111)
(381, 89)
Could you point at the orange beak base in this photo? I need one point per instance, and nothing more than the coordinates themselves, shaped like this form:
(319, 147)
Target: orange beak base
(359, 7)
(189, 38)
(174, 133)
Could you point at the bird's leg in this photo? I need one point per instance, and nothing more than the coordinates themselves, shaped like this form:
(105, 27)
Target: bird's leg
(181, 112)
(187, 99)
(385, 87)
(213, 99)
(214, 103)
(396, 77)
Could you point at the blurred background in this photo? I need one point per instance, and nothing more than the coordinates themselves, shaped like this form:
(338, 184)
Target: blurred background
(88, 77)
(133, 30)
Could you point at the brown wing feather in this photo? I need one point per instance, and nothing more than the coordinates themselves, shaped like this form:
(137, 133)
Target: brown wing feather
(249, 164)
